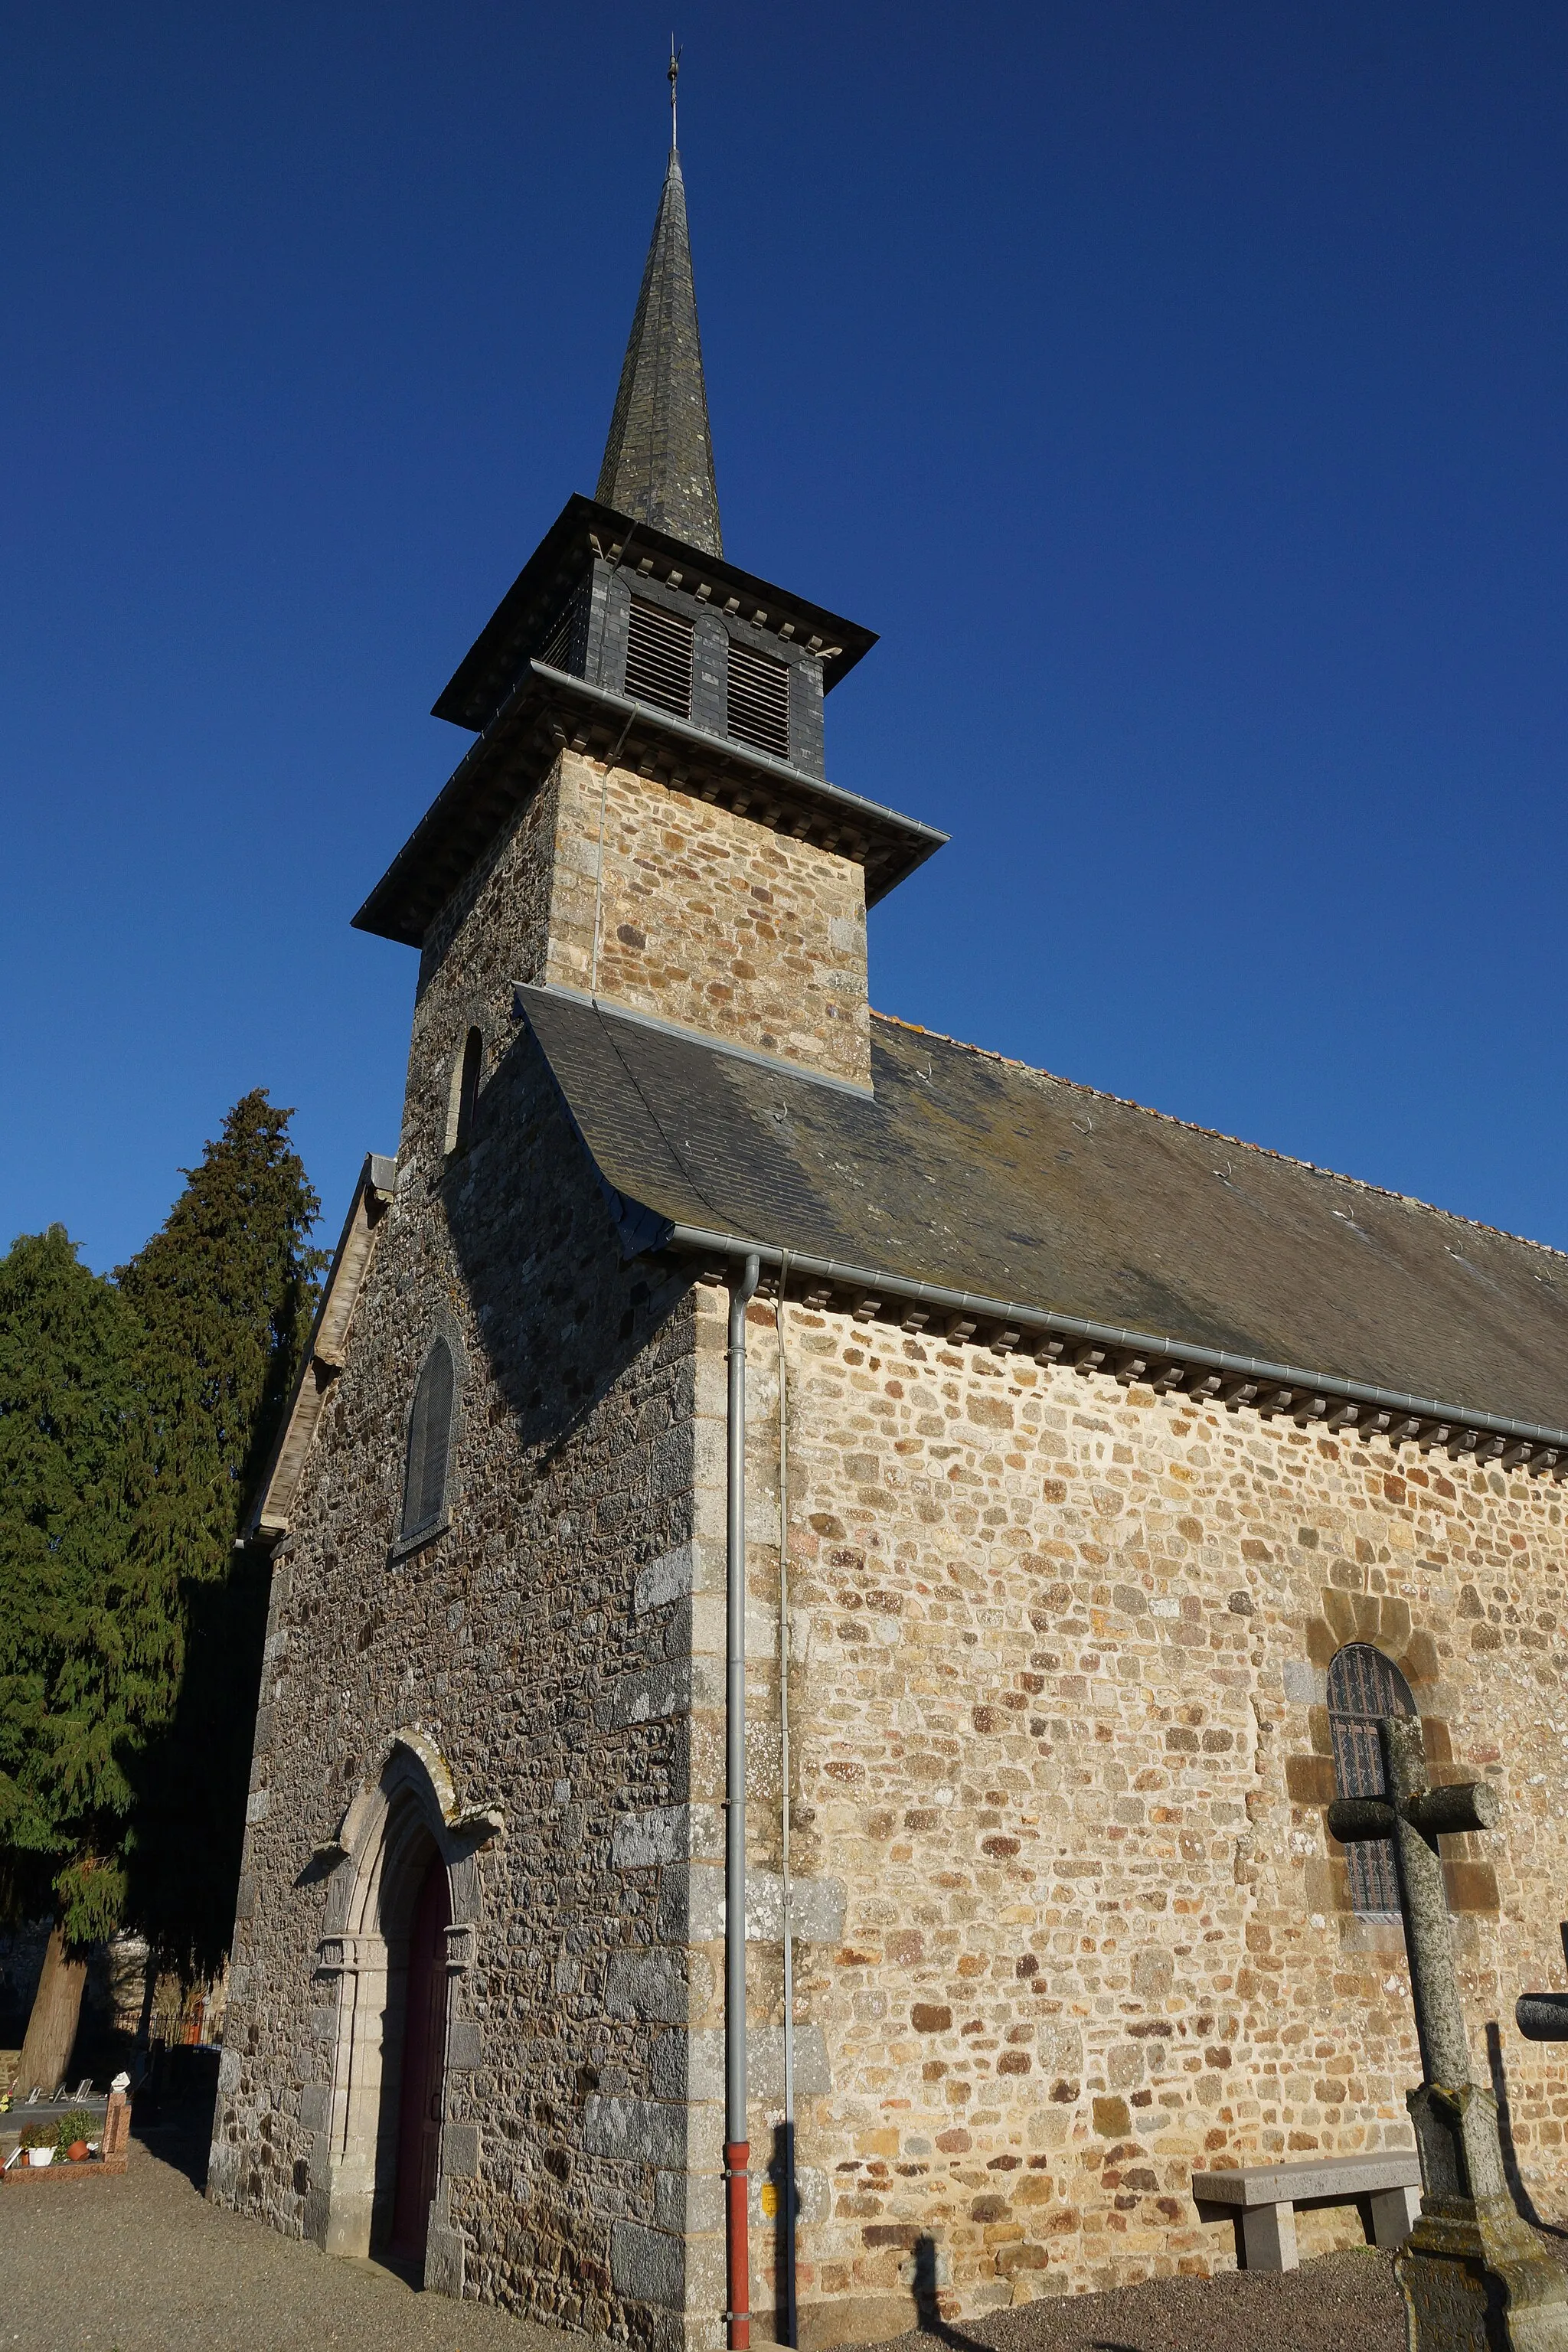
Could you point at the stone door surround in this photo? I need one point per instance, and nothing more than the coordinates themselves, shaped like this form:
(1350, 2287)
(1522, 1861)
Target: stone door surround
(375, 1863)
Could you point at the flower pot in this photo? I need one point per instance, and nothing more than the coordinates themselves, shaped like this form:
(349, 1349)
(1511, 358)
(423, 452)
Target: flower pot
(78, 2151)
(40, 2156)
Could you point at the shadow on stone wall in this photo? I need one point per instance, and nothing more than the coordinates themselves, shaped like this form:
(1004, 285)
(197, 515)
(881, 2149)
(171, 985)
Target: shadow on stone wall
(927, 2307)
(1516, 2189)
(565, 1318)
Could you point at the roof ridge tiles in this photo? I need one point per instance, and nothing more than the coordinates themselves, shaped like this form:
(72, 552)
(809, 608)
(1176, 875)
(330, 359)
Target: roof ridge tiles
(1218, 1135)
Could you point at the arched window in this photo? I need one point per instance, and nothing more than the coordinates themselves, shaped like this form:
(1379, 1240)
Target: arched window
(465, 1093)
(1364, 1688)
(429, 1444)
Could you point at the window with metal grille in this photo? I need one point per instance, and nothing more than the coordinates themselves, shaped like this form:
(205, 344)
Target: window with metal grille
(556, 650)
(1363, 1689)
(759, 700)
(658, 658)
(429, 1444)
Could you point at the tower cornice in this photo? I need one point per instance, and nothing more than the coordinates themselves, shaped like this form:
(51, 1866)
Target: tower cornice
(547, 712)
(584, 530)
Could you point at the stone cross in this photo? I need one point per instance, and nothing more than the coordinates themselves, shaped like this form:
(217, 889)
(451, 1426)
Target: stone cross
(1475, 2278)
(1543, 2016)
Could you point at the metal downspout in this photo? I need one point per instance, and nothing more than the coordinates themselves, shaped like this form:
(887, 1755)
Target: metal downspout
(787, 2186)
(737, 2148)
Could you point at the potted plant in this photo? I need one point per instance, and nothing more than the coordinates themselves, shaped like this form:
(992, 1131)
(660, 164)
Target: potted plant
(38, 2144)
(72, 2133)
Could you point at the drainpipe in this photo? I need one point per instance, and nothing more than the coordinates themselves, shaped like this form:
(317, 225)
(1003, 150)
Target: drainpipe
(737, 2148)
(788, 2189)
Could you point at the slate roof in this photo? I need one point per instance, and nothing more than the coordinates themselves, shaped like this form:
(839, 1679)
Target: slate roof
(658, 459)
(982, 1175)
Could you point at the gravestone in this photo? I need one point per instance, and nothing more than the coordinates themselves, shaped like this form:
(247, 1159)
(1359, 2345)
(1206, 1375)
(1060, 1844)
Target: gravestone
(1474, 2276)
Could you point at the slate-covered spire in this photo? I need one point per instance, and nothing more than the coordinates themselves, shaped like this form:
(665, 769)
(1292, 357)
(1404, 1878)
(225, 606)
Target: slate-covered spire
(658, 459)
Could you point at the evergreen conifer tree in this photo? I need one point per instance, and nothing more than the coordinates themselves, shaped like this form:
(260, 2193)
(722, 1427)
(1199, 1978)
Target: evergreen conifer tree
(87, 1656)
(224, 1294)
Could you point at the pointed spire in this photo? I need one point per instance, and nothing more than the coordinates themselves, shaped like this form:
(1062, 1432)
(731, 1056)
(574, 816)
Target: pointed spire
(658, 459)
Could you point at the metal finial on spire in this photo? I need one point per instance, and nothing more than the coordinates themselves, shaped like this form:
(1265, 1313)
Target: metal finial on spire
(675, 56)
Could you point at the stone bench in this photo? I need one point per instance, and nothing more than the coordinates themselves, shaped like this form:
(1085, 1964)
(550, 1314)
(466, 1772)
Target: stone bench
(1265, 2197)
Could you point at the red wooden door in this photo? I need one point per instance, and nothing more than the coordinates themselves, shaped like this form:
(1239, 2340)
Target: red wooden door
(424, 2065)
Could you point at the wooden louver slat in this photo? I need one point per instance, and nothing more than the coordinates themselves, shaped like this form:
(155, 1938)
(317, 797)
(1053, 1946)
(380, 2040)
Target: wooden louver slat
(556, 650)
(759, 700)
(658, 658)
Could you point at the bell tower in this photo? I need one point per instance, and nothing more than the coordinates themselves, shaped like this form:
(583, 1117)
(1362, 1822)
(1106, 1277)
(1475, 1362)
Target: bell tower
(645, 817)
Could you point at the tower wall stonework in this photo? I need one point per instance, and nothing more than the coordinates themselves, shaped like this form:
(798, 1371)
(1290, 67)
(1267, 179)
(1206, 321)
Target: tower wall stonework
(702, 918)
(1058, 1734)
(707, 919)
(539, 1648)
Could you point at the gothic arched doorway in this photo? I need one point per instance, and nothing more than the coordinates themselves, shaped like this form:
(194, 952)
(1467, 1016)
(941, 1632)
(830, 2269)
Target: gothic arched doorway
(422, 2075)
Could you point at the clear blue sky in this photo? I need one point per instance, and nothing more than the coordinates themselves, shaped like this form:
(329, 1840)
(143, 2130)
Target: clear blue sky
(1180, 390)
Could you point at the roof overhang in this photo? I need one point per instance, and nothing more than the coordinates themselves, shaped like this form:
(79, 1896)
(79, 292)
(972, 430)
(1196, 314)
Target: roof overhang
(584, 529)
(547, 712)
(1211, 1375)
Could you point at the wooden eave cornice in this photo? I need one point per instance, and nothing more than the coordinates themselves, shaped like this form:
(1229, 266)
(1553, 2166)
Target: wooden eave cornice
(583, 530)
(549, 711)
(325, 1356)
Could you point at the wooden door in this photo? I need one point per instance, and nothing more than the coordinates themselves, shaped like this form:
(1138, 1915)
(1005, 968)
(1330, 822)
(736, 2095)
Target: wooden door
(424, 2065)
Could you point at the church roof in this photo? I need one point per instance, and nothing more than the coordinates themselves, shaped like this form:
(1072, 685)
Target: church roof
(658, 459)
(1066, 1218)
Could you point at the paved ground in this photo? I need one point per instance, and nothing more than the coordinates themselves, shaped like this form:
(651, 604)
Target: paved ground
(144, 2264)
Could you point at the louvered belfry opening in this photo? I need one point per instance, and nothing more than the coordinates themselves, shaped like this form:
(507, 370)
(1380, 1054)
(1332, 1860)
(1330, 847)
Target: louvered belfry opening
(1363, 1689)
(759, 700)
(658, 657)
(560, 644)
(429, 1444)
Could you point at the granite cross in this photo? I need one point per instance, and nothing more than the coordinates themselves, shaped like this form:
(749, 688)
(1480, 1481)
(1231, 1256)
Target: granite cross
(1474, 2277)
(1543, 2016)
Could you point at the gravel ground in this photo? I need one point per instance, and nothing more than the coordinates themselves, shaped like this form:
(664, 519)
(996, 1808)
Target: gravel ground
(1340, 2302)
(144, 2264)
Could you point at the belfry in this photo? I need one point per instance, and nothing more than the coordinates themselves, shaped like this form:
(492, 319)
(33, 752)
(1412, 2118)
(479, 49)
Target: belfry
(824, 1582)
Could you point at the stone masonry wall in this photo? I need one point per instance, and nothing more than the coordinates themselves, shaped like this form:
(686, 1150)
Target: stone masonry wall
(1058, 1689)
(1066, 1920)
(709, 920)
(541, 1643)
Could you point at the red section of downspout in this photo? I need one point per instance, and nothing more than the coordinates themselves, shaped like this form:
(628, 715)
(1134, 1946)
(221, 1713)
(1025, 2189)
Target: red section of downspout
(737, 2241)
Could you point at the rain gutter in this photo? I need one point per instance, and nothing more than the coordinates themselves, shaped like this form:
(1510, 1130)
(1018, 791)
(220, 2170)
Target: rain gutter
(877, 1281)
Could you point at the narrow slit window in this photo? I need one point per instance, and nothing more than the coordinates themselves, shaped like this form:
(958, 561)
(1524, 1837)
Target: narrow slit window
(429, 1444)
(465, 1094)
(759, 700)
(1363, 1689)
(658, 658)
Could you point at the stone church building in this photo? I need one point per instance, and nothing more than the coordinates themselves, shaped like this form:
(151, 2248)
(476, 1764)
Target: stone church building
(743, 1433)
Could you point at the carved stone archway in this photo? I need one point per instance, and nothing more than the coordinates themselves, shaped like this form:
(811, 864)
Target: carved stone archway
(377, 1861)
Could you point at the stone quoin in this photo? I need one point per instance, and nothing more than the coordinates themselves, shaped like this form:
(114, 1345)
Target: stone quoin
(1119, 1462)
